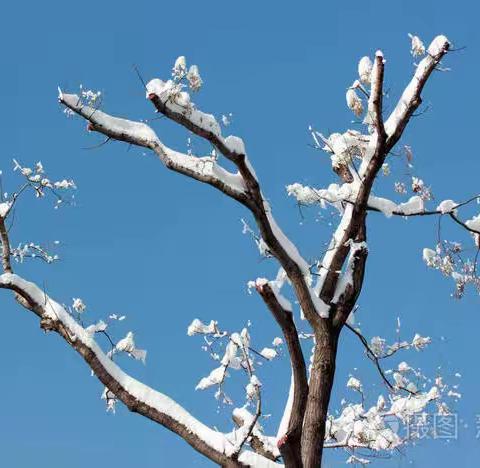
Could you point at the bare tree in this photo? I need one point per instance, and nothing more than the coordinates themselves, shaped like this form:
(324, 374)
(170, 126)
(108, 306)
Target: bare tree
(326, 290)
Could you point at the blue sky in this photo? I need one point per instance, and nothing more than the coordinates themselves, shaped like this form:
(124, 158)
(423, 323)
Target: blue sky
(278, 67)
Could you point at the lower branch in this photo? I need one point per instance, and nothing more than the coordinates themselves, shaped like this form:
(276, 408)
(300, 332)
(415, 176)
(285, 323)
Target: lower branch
(137, 396)
(290, 442)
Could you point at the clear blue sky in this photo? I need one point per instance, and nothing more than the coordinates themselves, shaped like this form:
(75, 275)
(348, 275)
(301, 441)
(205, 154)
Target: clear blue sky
(278, 67)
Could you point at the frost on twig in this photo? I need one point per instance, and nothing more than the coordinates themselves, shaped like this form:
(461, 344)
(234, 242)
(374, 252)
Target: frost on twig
(127, 345)
(389, 424)
(237, 356)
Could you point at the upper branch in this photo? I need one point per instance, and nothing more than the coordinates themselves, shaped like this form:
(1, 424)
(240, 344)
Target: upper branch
(203, 169)
(411, 97)
(352, 224)
(375, 102)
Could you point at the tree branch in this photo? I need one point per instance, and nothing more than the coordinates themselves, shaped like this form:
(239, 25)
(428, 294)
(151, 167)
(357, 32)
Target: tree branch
(257, 439)
(202, 169)
(376, 360)
(411, 97)
(289, 442)
(233, 148)
(6, 252)
(137, 396)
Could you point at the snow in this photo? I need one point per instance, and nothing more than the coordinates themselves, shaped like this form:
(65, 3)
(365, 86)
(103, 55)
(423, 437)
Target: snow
(179, 101)
(254, 460)
(98, 327)
(197, 328)
(284, 241)
(354, 460)
(252, 388)
(418, 48)
(377, 428)
(205, 167)
(354, 102)
(336, 194)
(4, 209)
(282, 300)
(387, 207)
(277, 341)
(414, 205)
(180, 64)
(194, 79)
(283, 426)
(356, 427)
(259, 283)
(116, 125)
(447, 206)
(78, 305)
(429, 256)
(399, 380)
(474, 223)
(268, 353)
(127, 345)
(214, 378)
(336, 240)
(235, 144)
(230, 356)
(245, 418)
(407, 406)
(439, 44)
(355, 384)
(365, 66)
(420, 342)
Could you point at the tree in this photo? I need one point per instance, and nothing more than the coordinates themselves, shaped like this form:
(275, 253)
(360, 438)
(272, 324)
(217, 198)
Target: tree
(326, 289)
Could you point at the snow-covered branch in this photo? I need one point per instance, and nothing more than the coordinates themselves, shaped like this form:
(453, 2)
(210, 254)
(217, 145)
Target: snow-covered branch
(204, 169)
(411, 97)
(260, 443)
(137, 396)
(340, 195)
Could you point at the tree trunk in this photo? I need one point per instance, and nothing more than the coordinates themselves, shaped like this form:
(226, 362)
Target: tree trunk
(321, 382)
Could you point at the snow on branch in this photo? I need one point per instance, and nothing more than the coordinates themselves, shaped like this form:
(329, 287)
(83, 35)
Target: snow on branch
(137, 133)
(411, 97)
(394, 421)
(204, 169)
(137, 396)
(260, 443)
(339, 195)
